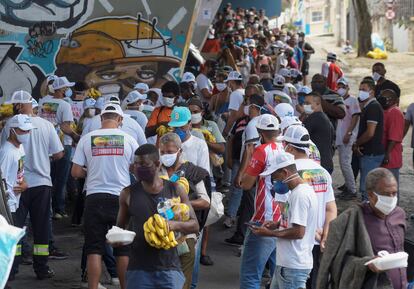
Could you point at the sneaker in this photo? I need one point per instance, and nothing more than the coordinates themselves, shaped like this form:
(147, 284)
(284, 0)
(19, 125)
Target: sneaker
(347, 196)
(56, 254)
(45, 275)
(206, 261)
(343, 187)
(234, 241)
(57, 216)
(115, 281)
(229, 222)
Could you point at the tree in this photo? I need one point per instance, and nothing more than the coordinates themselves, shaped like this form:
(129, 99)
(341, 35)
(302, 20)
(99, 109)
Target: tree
(364, 26)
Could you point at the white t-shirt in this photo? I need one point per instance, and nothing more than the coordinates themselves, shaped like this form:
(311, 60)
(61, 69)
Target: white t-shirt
(195, 151)
(43, 142)
(301, 209)
(139, 117)
(279, 95)
(291, 91)
(129, 126)
(352, 108)
(236, 99)
(202, 83)
(250, 135)
(57, 111)
(12, 168)
(321, 181)
(107, 155)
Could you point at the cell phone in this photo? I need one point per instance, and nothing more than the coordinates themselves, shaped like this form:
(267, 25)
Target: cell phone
(253, 224)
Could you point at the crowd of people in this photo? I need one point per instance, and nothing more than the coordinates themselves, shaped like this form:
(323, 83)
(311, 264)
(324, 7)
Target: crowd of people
(249, 124)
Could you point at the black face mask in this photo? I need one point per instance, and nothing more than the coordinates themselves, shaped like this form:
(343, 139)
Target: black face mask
(146, 174)
(383, 101)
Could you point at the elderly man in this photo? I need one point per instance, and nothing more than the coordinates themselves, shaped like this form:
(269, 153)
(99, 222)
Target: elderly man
(359, 233)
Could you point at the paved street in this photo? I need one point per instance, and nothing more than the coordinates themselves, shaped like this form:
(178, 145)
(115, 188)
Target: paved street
(225, 272)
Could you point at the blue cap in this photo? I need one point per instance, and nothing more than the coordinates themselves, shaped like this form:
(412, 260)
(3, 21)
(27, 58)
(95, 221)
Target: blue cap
(89, 103)
(180, 116)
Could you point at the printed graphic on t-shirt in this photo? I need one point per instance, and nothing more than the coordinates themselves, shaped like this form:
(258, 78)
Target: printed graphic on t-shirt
(107, 145)
(315, 178)
(20, 170)
(284, 223)
(314, 153)
(49, 111)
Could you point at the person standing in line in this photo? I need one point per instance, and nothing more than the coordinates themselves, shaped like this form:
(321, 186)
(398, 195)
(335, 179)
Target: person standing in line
(295, 233)
(378, 74)
(104, 156)
(368, 145)
(331, 71)
(346, 133)
(307, 50)
(235, 83)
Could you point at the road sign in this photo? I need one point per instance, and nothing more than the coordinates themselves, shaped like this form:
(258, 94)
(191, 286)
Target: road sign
(390, 14)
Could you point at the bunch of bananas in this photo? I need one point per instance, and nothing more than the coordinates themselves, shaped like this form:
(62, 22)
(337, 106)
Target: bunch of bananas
(208, 136)
(162, 129)
(94, 93)
(157, 233)
(181, 212)
(182, 181)
(6, 110)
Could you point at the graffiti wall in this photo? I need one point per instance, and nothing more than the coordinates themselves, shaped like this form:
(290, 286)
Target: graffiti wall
(109, 44)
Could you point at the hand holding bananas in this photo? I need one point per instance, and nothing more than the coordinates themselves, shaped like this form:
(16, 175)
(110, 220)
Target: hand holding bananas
(158, 234)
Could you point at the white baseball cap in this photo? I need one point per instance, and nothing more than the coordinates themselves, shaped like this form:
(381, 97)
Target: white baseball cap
(234, 75)
(283, 110)
(142, 86)
(296, 134)
(277, 161)
(112, 108)
(188, 77)
(343, 81)
(89, 103)
(20, 96)
(267, 122)
(111, 98)
(295, 72)
(134, 96)
(285, 72)
(51, 77)
(304, 90)
(21, 121)
(278, 80)
(288, 121)
(252, 43)
(100, 103)
(61, 82)
(331, 55)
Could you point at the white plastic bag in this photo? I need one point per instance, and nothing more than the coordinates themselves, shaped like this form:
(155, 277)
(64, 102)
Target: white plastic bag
(9, 237)
(216, 208)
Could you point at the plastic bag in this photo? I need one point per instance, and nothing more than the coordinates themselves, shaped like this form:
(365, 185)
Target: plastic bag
(9, 237)
(216, 208)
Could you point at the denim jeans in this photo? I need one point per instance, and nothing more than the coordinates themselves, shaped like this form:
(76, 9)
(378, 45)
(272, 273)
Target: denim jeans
(197, 253)
(236, 193)
(257, 252)
(366, 164)
(60, 176)
(140, 279)
(287, 278)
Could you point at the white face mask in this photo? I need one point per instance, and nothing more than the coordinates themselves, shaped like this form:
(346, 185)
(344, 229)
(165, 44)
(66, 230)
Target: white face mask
(221, 86)
(168, 160)
(22, 138)
(386, 204)
(196, 118)
(341, 91)
(308, 108)
(363, 95)
(51, 90)
(246, 109)
(376, 76)
(168, 102)
(91, 112)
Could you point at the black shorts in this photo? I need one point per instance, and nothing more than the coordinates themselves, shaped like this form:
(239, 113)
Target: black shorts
(305, 67)
(101, 211)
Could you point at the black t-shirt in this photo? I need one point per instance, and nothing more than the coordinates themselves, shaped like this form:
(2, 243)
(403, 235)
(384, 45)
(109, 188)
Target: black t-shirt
(372, 112)
(307, 46)
(321, 133)
(237, 132)
(387, 84)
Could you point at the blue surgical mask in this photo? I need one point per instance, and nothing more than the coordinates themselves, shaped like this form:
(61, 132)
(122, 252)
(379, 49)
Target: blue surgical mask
(68, 92)
(181, 133)
(280, 187)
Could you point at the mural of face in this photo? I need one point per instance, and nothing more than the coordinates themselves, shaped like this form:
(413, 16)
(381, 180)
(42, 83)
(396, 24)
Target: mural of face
(25, 13)
(14, 75)
(117, 53)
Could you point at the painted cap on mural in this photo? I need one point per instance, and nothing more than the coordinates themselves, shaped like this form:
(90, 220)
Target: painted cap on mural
(61, 82)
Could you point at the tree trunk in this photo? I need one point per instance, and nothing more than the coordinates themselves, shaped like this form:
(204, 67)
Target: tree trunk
(364, 26)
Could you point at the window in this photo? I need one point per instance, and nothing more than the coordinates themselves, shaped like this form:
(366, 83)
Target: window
(317, 16)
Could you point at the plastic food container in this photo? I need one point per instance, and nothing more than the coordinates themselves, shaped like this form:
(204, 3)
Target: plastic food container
(387, 261)
(118, 235)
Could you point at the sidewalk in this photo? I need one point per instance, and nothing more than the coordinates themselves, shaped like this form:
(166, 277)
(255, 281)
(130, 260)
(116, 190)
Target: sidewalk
(399, 66)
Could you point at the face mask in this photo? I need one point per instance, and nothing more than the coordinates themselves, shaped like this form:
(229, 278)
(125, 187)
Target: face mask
(68, 92)
(246, 109)
(318, 87)
(363, 95)
(221, 86)
(145, 174)
(50, 87)
(386, 204)
(341, 91)
(291, 177)
(280, 188)
(168, 102)
(91, 112)
(308, 108)
(196, 118)
(181, 133)
(22, 138)
(168, 160)
(383, 101)
(376, 76)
